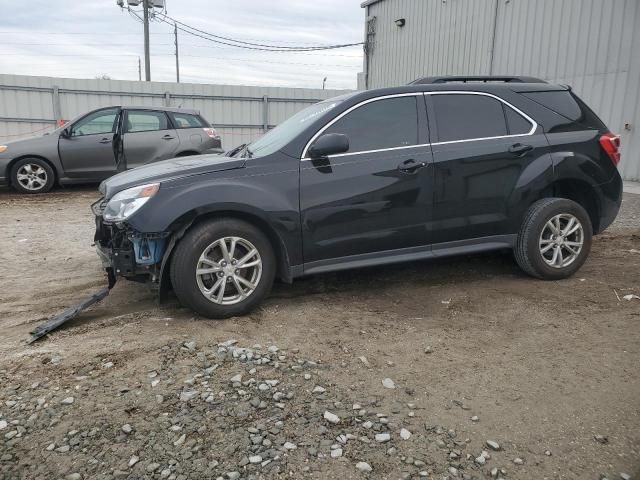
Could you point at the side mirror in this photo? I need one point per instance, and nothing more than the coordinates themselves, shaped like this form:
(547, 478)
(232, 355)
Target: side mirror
(66, 133)
(329, 144)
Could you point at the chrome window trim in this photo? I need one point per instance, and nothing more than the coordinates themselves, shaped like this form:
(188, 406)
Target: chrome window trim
(534, 124)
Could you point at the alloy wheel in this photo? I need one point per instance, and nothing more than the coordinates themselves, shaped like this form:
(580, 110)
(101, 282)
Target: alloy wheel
(32, 176)
(229, 270)
(561, 240)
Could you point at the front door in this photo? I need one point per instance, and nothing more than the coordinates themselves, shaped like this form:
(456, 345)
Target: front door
(148, 137)
(482, 150)
(87, 152)
(377, 196)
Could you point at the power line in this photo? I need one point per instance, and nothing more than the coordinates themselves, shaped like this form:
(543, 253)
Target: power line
(242, 44)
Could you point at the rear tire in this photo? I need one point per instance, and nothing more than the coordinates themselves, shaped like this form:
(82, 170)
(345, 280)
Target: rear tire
(201, 270)
(554, 240)
(32, 175)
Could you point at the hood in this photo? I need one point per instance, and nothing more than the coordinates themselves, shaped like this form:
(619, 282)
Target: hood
(168, 170)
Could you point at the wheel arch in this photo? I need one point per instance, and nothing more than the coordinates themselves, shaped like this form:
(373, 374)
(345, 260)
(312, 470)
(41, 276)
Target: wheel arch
(187, 153)
(185, 222)
(581, 192)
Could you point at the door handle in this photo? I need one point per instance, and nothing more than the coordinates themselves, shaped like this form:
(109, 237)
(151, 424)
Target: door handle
(168, 137)
(410, 166)
(105, 140)
(520, 149)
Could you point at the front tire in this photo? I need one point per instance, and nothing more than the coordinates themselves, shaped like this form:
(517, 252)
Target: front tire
(32, 175)
(554, 239)
(223, 268)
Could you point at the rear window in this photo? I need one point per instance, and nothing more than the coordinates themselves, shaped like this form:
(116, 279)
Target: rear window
(568, 105)
(187, 120)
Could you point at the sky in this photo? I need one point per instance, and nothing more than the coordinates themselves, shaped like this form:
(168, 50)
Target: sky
(95, 38)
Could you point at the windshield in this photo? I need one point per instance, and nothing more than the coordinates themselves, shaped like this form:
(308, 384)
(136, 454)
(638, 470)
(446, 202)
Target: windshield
(277, 138)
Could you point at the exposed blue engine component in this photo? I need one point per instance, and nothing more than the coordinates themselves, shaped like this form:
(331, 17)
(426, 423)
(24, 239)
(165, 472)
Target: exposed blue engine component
(149, 251)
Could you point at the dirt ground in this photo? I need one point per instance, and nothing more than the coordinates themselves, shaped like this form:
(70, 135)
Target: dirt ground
(550, 369)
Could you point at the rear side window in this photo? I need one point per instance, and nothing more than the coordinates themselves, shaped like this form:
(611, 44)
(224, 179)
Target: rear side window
(186, 120)
(387, 123)
(146, 121)
(566, 104)
(467, 116)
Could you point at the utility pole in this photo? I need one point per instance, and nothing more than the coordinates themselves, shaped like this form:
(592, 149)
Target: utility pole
(324, 81)
(139, 69)
(147, 56)
(175, 35)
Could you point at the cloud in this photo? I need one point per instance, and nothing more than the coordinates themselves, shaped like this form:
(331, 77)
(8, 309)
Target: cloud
(94, 37)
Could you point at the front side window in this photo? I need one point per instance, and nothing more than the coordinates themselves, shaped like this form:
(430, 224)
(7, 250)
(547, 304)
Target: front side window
(146, 121)
(186, 120)
(468, 116)
(386, 123)
(100, 122)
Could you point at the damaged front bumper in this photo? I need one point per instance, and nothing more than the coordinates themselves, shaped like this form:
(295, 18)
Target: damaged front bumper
(127, 253)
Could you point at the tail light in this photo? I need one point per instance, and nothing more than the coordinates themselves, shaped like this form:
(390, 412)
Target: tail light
(211, 132)
(610, 143)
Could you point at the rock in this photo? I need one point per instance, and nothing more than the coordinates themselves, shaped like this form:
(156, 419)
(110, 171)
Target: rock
(255, 459)
(481, 460)
(180, 440)
(3, 424)
(273, 349)
(63, 449)
(152, 467)
(290, 446)
(318, 389)
(188, 395)
(475, 418)
(233, 475)
(547, 453)
(493, 445)
(126, 428)
(73, 476)
(364, 467)
(67, 401)
(236, 379)
(364, 361)
(388, 383)
(191, 346)
(383, 437)
(331, 417)
(453, 471)
(405, 434)
(428, 349)
(625, 476)
(518, 461)
(601, 439)
(336, 453)
(133, 460)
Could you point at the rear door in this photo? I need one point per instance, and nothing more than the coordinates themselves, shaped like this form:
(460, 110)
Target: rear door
(489, 158)
(375, 197)
(148, 137)
(88, 153)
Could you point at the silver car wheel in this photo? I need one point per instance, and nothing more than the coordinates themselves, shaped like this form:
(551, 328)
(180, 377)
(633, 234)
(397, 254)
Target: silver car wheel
(228, 270)
(561, 240)
(32, 176)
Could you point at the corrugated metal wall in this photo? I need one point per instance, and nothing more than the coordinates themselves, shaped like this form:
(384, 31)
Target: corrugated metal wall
(31, 105)
(592, 45)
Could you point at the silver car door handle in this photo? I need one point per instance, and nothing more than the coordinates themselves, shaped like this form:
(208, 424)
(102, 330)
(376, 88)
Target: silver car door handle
(105, 140)
(168, 137)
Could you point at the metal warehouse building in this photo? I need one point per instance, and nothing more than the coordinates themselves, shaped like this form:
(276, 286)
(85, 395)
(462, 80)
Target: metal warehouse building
(591, 45)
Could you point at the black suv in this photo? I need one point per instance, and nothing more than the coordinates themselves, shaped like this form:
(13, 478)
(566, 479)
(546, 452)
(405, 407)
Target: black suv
(444, 166)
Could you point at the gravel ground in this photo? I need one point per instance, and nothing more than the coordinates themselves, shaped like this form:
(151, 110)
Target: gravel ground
(457, 368)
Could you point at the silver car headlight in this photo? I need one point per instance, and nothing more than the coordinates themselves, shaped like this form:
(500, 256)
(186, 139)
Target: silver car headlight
(127, 202)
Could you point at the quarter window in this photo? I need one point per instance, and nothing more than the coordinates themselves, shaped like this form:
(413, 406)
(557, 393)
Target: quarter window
(467, 116)
(102, 121)
(185, 120)
(387, 123)
(517, 124)
(146, 121)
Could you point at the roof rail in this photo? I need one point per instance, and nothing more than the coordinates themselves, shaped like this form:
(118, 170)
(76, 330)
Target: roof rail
(484, 79)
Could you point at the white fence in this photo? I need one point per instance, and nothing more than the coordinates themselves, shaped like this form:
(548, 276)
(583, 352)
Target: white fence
(33, 105)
